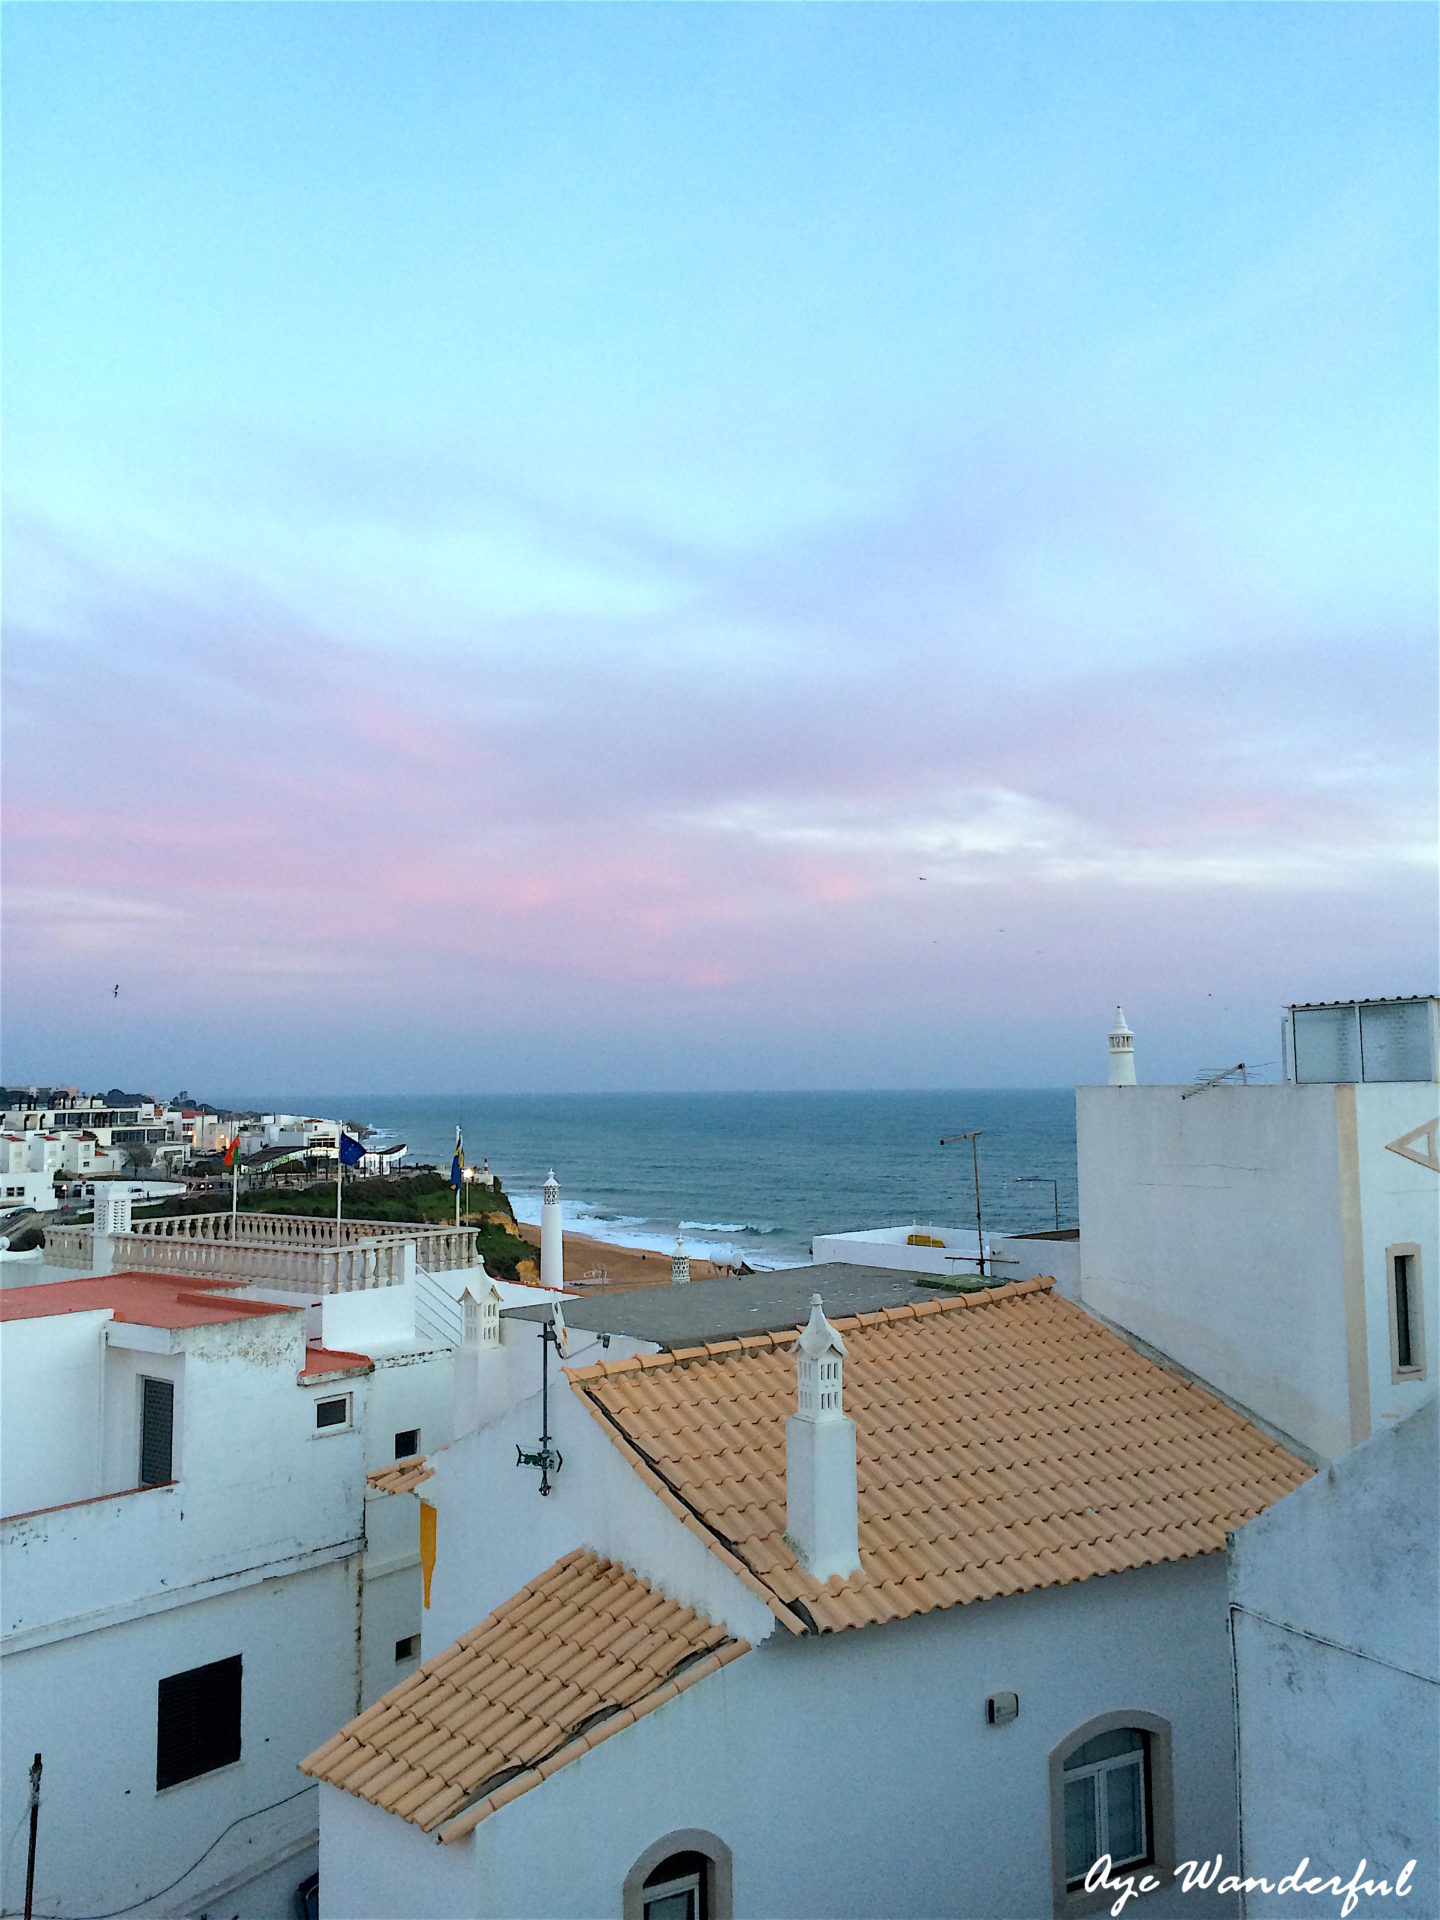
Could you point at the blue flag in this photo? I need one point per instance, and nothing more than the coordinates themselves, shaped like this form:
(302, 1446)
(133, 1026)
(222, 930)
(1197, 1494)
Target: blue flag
(457, 1165)
(351, 1151)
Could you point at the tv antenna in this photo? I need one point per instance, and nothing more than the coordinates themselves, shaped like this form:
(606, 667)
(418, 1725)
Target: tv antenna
(954, 1140)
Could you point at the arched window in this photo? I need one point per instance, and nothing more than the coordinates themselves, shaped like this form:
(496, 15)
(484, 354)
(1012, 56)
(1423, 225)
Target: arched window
(685, 1876)
(1110, 1792)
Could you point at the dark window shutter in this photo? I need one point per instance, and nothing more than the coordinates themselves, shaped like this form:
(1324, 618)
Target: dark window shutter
(157, 1432)
(198, 1725)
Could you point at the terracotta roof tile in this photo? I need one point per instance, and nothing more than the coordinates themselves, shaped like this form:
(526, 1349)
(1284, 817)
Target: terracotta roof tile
(1005, 1441)
(522, 1691)
(401, 1476)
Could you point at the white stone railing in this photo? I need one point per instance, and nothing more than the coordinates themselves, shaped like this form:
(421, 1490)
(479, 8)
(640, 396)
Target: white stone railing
(369, 1253)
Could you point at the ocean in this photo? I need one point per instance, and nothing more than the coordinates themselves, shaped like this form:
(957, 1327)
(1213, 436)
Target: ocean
(750, 1176)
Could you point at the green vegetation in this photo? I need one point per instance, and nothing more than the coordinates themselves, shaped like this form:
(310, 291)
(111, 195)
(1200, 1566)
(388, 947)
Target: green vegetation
(427, 1198)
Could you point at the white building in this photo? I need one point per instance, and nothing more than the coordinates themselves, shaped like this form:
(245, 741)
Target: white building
(180, 1566)
(636, 1699)
(1281, 1242)
(272, 1338)
(1335, 1624)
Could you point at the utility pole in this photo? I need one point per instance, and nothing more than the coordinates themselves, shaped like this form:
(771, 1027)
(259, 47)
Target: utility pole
(34, 1822)
(954, 1139)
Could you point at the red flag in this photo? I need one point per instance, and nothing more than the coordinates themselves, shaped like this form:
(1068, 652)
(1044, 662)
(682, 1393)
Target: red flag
(230, 1151)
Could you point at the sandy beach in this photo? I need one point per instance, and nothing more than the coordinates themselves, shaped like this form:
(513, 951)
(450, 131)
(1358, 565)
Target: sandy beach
(626, 1267)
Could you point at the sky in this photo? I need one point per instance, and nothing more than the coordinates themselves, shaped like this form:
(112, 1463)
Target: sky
(584, 547)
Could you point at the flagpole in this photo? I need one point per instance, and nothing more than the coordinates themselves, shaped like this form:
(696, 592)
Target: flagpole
(234, 1187)
(339, 1176)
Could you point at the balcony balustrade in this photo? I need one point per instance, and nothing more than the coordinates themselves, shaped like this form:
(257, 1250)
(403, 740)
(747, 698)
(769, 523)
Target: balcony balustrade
(272, 1249)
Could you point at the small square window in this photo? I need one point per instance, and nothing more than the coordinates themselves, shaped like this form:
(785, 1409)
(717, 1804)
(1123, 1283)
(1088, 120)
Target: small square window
(407, 1648)
(334, 1412)
(407, 1443)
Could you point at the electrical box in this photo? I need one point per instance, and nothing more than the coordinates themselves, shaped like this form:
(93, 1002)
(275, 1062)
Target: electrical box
(1002, 1708)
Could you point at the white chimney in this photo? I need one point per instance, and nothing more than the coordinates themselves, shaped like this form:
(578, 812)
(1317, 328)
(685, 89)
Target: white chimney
(1122, 1052)
(482, 1315)
(112, 1216)
(679, 1264)
(821, 1498)
(552, 1236)
(477, 1374)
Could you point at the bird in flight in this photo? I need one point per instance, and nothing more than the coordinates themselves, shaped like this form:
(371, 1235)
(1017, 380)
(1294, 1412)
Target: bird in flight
(115, 993)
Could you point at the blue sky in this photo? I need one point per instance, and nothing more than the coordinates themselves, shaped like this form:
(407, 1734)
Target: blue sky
(551, 519)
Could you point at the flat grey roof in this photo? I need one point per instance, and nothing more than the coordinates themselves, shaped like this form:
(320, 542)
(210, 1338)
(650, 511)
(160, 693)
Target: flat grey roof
(688, 1316)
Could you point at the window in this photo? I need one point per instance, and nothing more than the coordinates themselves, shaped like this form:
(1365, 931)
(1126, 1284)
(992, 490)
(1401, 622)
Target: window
(198, 1724)
(686, 1876)
(407, 1443)
(157, 1432)
(1407, 1317)
(334, 1412)
(407, 1648)
(1106, 1803)
(1110, 1792)
(675, 1890)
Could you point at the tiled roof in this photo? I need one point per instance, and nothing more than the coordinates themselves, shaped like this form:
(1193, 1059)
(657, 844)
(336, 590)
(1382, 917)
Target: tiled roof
(402, 1476)
(320, 1359)
(584, 1650)
(1004, 1441)
(138, 1299)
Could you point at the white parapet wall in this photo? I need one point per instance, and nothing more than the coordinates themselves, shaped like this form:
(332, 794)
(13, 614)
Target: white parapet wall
(1054, 1254)
(904, 1249)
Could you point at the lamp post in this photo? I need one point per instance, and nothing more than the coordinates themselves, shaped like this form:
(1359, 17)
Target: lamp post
(1042, 1180)
(468, 1176)
(973, 1136)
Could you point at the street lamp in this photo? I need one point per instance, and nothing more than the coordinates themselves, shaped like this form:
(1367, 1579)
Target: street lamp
(1042, 1180)
(467, 1176)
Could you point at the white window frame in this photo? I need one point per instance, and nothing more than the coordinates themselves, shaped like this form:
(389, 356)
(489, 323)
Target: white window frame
(1409, 1251)
(334, 1426)
(691, 1883)
(1136, 1760)
(719, 1894)
(1159, 1805)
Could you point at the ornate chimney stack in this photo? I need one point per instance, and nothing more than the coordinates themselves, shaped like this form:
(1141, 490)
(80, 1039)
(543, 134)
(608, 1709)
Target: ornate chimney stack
(821, 1497)
(1122, 1052)
(679, 1264)
(482, 1316)
(112, 1216)
(478, 1377)
(552, 1236)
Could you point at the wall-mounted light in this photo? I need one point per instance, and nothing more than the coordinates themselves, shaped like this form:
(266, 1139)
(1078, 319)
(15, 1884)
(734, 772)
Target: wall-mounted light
(1002, 1708)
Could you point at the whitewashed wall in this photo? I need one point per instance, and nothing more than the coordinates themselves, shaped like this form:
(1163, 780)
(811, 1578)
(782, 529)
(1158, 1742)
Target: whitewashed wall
(258, 1486)
(1221, 1229)
(1336, 1618)
(1399, 1201)
(1210, 1227)
(50, 1410)
(853, 1773)
(108, 1838)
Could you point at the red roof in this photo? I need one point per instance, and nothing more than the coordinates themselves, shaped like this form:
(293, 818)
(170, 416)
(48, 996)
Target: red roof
(334, 1360)
(139, 1299)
